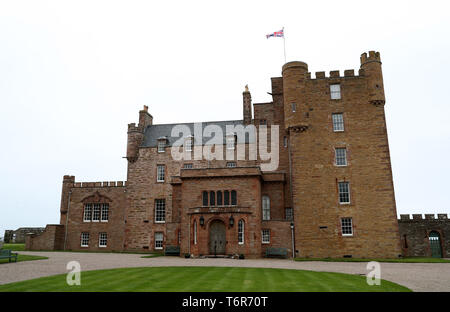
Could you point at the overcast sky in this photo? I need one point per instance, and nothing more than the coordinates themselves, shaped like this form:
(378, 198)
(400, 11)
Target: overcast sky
(74, 74)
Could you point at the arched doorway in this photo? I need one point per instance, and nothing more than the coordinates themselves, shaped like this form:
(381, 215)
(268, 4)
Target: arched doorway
(435, 244)
(217, 239)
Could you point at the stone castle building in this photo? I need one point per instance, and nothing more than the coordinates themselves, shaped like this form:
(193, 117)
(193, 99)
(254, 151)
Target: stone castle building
(330, 194)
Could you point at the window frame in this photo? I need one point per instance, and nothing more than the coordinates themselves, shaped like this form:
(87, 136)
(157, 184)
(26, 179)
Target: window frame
(335, 94)
(96, 212)
(157, 247)
(340, 191)
(289, 216)
(189, 142)
(340, 122)
(345, 164)
(293, 107)
(233, 202)
(102, 239)
(347, 226)
(267, 231)
(265, 209)
(231, 164)
(188, 166)
(241, 232)
(82, 239)
(159, 208)
(104, 208)
(231, 141)
(158, 173)
(85, 211)
(162, 144)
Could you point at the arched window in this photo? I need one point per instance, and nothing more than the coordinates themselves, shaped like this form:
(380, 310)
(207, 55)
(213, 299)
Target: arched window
(241, 232)
(226, 198)
(266, 207)
(195, 232)
(205, 198)
(212, 198)
(219, 198)
(233, 198)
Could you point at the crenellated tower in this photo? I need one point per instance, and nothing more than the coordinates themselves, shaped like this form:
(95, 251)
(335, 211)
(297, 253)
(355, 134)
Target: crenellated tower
(371, 64)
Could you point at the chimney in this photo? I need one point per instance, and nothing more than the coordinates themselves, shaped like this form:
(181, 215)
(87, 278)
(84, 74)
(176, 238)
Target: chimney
(247, 104)
(145, 119)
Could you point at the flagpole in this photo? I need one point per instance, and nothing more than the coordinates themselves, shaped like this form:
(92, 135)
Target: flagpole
(284, 46)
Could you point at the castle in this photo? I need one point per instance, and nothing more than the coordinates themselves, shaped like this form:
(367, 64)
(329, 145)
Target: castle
(325, 188)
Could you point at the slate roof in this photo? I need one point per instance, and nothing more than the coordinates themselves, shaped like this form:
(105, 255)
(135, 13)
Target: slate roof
(154, 132)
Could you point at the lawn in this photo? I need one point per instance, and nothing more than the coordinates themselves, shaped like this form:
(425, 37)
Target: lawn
(23, 258)
(396, 260)
(15, 247)
(205, 279)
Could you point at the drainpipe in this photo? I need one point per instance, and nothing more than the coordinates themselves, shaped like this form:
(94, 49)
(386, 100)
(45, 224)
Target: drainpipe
(189, 236)
(67, 219)
(292, 198)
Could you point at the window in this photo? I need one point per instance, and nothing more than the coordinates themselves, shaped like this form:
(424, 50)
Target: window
(233, 198)
(195, 232)
(294, 107)
(84, 239)
(188, 166)
(205, 198)
(241, 232)
(87, 213)
(288, 213)
(266, 207)
(219, 198)
(335, 91)
(347, 227)
(338, 122)
(179, 237)
(102, 239)
(344, 192)
(161, 145)
(105, 213)
(159, 239)
(265, 236)
(231, 142)
(231, 164)
(212, 198)
(160, 210)
(96, 213)
(285, 141)
(188, 144)
(263, 122)
(341, 156)
(226, 198)
(160, 173)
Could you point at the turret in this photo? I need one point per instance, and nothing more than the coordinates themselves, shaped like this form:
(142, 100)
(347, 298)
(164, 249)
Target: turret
(247, 105)
(371, 64)
(294, 76)
(68, 183)
(136, 134)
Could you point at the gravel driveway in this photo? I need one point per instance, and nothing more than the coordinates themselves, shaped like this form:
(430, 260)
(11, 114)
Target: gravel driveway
(416, 276)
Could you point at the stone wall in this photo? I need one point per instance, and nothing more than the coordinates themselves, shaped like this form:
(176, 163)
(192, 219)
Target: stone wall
(52, 238)
(415, 231)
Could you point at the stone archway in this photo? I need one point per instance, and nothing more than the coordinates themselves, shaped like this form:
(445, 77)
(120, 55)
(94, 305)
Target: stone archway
(217, 237)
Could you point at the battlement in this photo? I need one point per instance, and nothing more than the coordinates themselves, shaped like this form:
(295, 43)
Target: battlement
(101, 184)
(133, 127)
(371, 57)
(419, 217)
(348, 73)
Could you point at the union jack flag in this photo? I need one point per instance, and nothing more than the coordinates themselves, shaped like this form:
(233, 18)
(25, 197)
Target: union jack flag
(276, 34)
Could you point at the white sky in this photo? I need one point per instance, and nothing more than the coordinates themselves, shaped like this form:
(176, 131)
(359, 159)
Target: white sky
(74, 74)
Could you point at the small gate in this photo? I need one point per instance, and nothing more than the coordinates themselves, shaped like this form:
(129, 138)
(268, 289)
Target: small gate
(435, 244)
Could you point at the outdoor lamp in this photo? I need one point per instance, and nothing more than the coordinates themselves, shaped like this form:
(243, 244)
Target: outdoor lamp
(292, 225)
(202, 221)
(231, 221)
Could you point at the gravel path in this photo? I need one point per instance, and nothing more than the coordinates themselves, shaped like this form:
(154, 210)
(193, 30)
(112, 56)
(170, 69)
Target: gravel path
(416, 276)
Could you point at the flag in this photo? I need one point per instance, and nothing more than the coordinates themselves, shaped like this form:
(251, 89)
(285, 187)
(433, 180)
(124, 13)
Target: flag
(276, 34)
